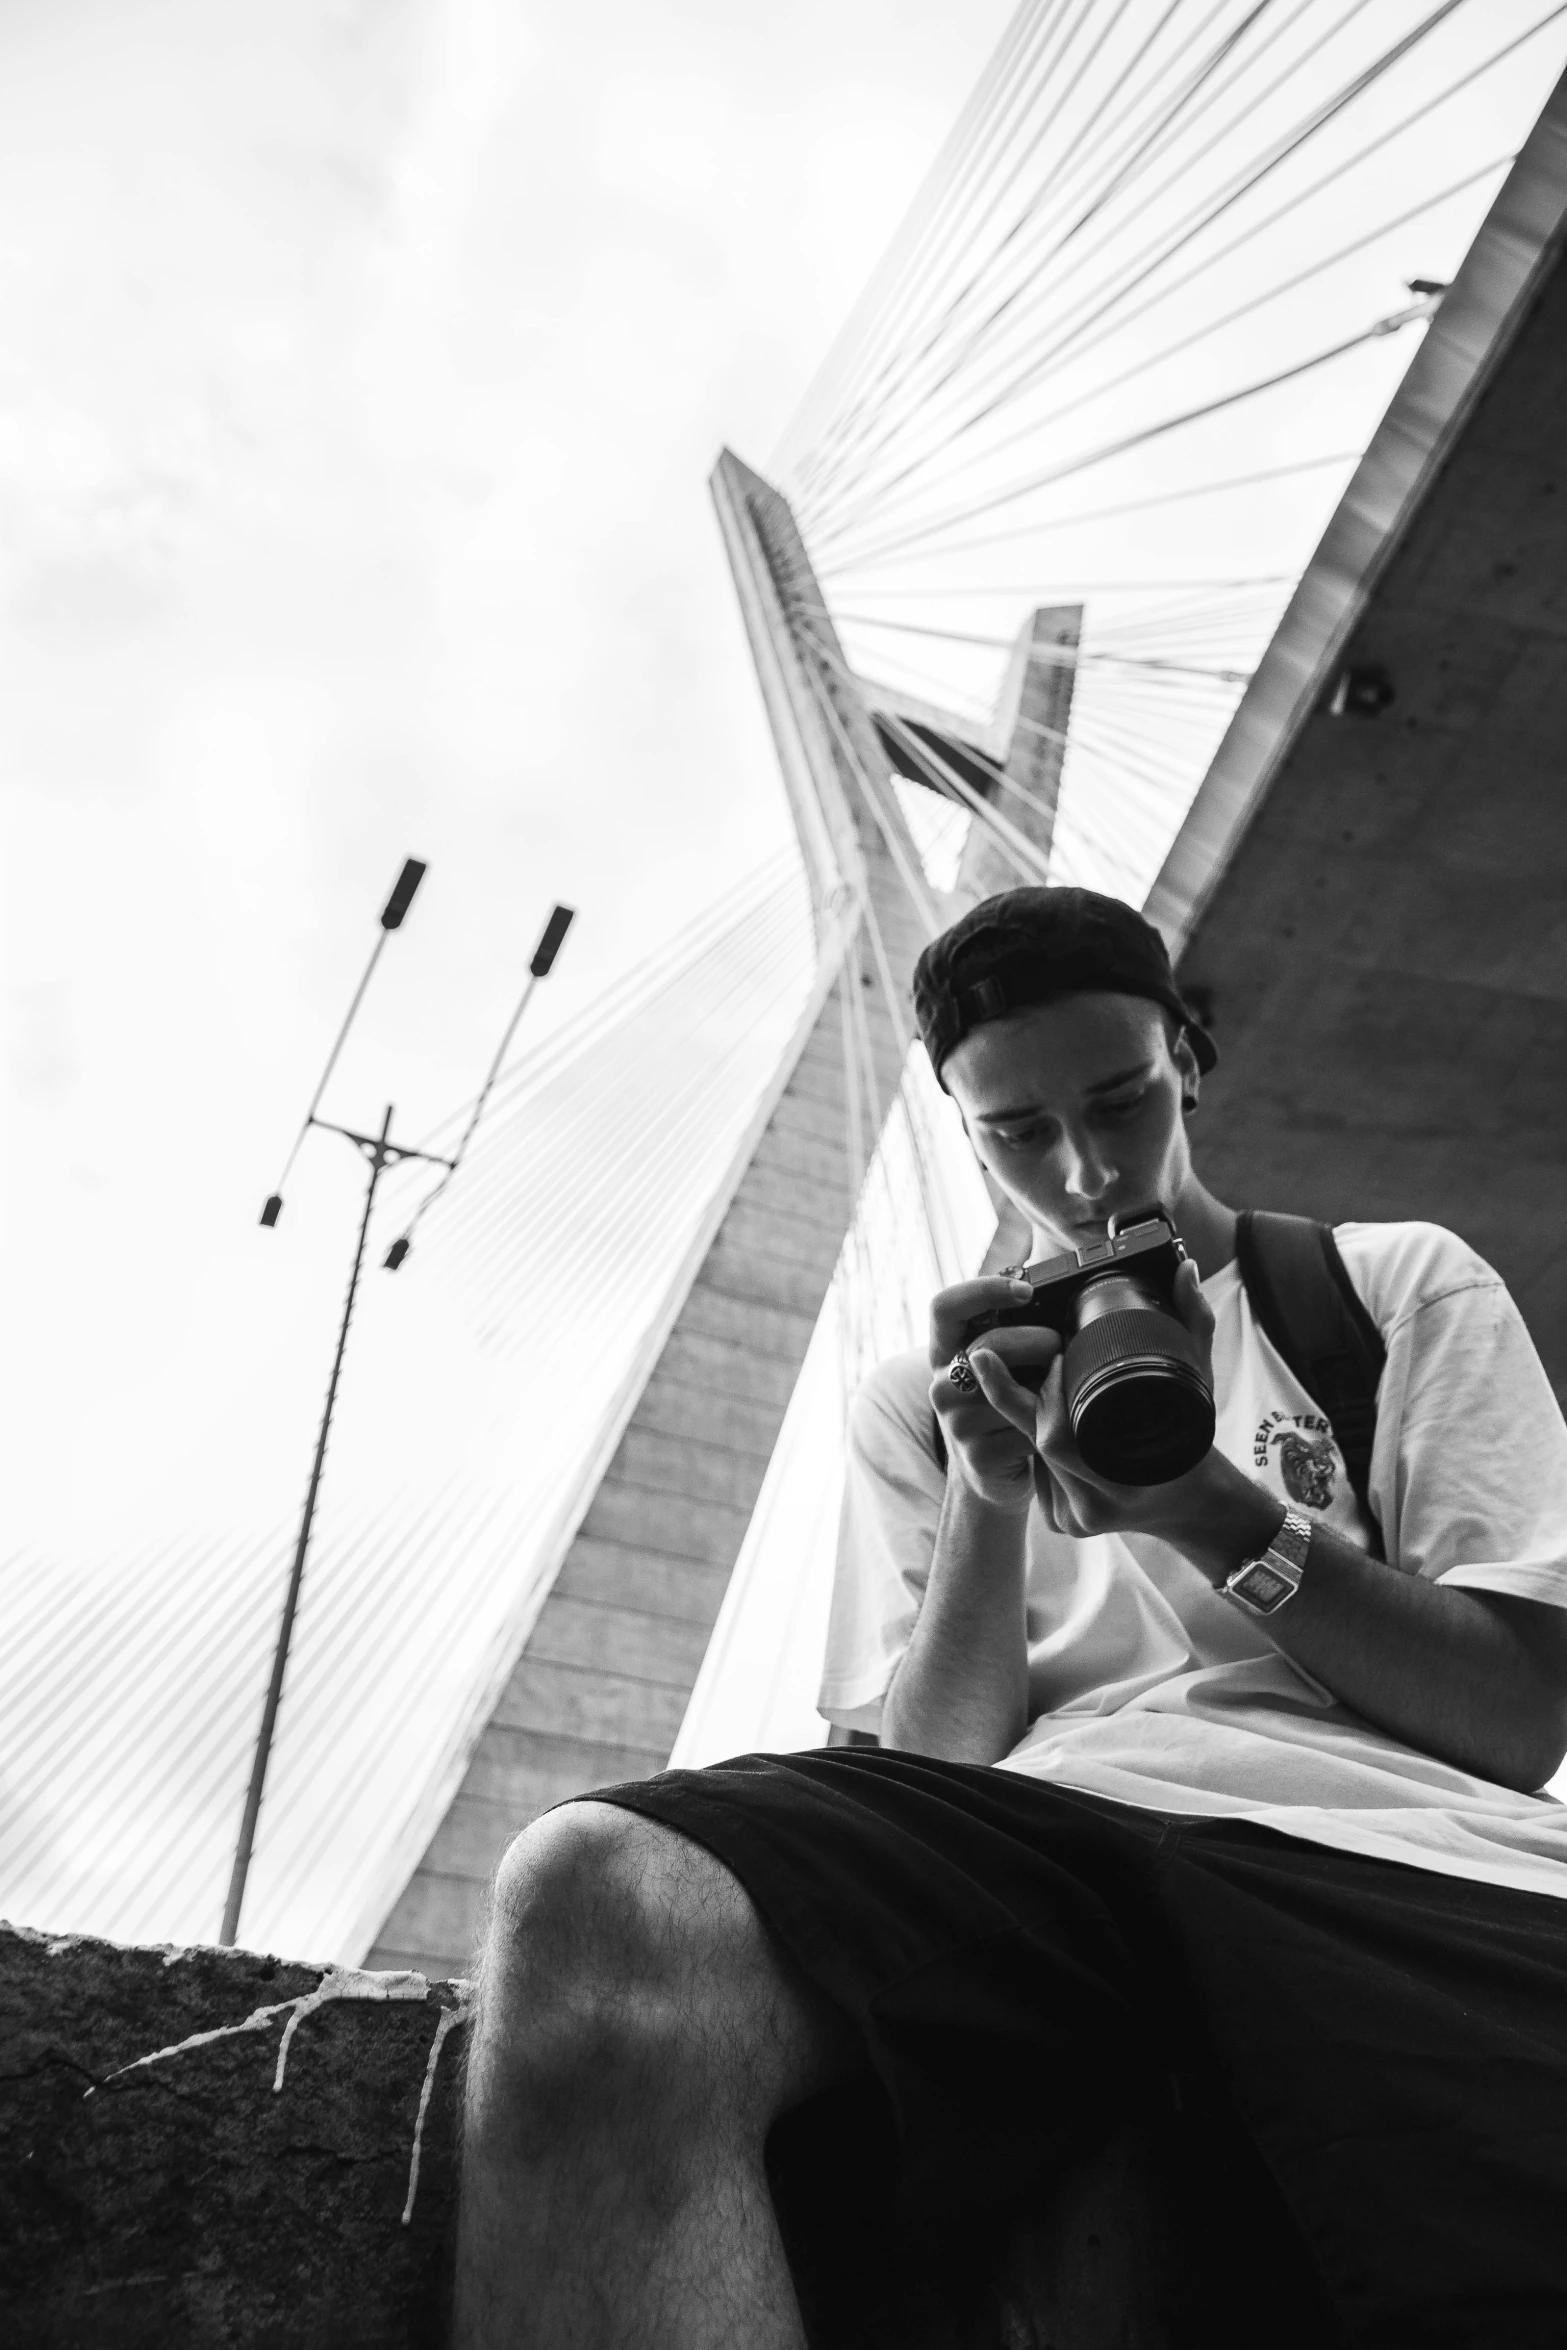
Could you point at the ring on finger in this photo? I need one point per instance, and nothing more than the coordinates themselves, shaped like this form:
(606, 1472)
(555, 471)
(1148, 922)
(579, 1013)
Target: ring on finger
(961, 1372)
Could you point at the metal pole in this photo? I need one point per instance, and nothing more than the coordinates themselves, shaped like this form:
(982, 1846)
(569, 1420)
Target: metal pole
(258, 1771)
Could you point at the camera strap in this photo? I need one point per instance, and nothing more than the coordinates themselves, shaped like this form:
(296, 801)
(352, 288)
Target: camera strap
(1302, 1295)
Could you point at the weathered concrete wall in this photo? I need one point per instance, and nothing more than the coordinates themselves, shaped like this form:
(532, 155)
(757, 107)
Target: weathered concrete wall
(186, 2204)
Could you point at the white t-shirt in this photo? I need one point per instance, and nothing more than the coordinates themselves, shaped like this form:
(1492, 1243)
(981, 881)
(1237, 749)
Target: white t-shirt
(1148, 1686)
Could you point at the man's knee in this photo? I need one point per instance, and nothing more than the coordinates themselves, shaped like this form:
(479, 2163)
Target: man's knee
(618, 1955)
(625, 1962)
(593, 1903)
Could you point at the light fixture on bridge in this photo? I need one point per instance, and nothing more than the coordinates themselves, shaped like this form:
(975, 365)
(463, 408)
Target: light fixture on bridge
(1364, 690)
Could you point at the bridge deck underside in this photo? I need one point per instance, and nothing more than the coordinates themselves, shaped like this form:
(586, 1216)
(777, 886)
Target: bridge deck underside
(1386, 954)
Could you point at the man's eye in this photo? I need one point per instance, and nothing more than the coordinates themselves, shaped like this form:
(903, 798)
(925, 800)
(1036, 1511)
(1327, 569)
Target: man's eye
(1012, 1135)
(1124, 1105)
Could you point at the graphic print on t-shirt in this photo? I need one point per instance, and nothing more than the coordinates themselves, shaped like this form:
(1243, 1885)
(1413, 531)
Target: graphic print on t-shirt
(1309, 1461)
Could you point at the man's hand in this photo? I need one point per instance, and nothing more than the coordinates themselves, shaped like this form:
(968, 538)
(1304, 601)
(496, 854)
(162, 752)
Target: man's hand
(1075, 1498)
(962, 1688)
(1476, 1678)
(988, 1446)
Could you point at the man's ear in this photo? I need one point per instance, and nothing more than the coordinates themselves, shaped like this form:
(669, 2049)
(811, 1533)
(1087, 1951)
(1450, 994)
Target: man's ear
(1190, 1075)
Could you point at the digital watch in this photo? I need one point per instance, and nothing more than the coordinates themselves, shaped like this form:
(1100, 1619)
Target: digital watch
(1264, 1585)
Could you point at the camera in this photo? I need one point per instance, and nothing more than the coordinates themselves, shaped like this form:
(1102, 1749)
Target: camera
(1140, 1404)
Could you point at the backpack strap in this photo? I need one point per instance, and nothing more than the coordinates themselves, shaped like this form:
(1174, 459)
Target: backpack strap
(1301, 1293)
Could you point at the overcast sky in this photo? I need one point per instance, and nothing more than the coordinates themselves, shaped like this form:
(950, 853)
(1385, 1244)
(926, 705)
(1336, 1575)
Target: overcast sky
(362, 368)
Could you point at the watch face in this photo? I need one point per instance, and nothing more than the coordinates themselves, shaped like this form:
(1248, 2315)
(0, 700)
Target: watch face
(1262, 1587)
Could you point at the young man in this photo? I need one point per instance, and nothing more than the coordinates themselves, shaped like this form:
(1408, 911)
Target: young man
(1125, 1839)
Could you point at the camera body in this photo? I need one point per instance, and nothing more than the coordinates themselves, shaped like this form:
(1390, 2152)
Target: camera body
(1139, 1401)
(1146, 1241)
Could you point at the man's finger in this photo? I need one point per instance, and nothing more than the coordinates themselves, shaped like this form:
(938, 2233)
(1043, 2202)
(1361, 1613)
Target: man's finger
(1190, 1303)
(1027, 1346)
(954, 1311)
(1000, 1390)
(1051, 1427)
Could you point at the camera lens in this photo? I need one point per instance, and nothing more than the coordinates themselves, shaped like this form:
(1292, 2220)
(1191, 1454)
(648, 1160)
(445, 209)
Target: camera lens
(1140, 1405)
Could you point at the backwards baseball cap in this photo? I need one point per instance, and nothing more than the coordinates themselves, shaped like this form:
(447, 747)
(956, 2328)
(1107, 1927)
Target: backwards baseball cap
(1031, 946)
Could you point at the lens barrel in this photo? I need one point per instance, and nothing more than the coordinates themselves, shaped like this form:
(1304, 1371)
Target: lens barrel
(1140, 1404)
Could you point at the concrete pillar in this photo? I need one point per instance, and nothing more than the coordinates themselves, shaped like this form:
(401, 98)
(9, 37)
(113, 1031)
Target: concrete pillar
(600, 1687)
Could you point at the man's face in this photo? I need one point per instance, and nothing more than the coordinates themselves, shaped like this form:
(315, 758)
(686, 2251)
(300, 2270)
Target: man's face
(1075, 1107)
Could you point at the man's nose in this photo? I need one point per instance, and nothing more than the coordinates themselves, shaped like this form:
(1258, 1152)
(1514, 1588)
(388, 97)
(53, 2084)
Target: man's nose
(1089, 1173)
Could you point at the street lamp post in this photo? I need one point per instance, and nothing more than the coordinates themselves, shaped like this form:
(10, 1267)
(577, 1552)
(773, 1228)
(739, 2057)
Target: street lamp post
(381, 1152)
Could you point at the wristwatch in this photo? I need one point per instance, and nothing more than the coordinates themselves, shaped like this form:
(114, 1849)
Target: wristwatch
(1266, 1584)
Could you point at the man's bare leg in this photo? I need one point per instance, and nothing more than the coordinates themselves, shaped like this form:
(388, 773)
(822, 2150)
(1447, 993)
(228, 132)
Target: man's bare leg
(638, 2033)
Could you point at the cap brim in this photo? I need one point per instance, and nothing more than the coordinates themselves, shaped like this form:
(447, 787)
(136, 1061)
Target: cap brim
(1203, 1046)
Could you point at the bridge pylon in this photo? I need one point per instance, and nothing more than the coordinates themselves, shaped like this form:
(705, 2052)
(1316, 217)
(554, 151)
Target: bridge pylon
(601, 1683)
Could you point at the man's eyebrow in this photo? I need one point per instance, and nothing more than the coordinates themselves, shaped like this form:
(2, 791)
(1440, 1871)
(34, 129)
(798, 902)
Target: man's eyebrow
(1032, 1109)
(1125, 1077)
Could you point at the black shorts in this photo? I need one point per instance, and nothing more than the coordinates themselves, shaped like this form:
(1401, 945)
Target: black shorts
(1032, 1968)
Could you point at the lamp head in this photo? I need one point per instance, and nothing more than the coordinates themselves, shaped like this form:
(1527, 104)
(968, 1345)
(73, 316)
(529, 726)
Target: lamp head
(402, 896)
(549, 945)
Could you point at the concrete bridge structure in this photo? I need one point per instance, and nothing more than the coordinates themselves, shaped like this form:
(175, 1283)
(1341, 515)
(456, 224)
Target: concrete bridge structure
(1370, 894)
(1367, 895)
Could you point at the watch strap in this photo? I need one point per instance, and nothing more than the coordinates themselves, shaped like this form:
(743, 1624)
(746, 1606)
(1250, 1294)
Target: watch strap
(1292, 1540)
(1264, 1585)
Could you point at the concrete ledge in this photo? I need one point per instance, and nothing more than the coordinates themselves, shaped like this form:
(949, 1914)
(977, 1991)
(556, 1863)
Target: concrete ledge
(186, 2204)
(159, 2190)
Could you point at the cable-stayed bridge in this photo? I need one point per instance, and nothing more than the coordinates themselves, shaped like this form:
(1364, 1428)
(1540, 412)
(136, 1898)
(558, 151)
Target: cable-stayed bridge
(1138, 483)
